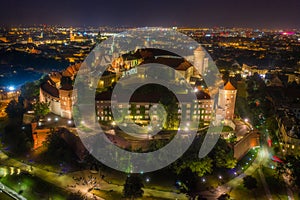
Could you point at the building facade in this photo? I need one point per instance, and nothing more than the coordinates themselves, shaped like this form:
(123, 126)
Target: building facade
(226, 100)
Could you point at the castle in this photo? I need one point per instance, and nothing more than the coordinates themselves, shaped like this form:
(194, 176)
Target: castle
(58, 90)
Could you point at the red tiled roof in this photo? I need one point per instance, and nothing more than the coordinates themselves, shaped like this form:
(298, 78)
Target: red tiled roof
(53, 91)
(229, 86)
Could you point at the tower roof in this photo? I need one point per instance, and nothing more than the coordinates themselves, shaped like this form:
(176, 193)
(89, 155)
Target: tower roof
(199, 48)
(229, 86)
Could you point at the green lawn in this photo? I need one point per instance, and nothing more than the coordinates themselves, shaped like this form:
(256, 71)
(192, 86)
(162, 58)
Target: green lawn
(113, 195)
(247, 160)
(33, 187)
(241, 192)
(277, 186)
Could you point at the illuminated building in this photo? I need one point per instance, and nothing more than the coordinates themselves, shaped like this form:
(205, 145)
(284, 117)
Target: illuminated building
(140, 105)
(76, 38)
(30, 40)
(58, 90)
(200, 61)
(226, 100)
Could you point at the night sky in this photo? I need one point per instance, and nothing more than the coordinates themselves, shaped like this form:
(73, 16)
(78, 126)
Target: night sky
(196, 13)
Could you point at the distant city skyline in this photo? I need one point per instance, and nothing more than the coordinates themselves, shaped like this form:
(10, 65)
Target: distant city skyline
(191, 13)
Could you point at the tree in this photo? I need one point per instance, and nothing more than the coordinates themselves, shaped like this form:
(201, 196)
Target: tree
(17, 137)
(272, 125)
(76, 196)
(14, 110)
(293, 166)
(30, 90)
(222, 155)
(133, 187)
(224, 159)
(58, 149)
(170, 105)
(188, 183)
(41, 109)
(224, 197)
(250, 182)
(200, 167)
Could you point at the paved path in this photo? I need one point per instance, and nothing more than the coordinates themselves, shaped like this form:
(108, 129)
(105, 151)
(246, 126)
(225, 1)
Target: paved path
(11, 193)
(237, 181)
(265, 185)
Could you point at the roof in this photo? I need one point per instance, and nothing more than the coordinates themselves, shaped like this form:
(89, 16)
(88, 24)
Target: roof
(229, 86)
(53, 91)
(199, 48)
(175, 63)
(150, 97)
(71, 70)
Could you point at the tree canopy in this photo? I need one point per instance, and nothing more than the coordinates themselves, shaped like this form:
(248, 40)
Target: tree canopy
(133, 187)
(14, 110)
(249, 182)
(41, 109)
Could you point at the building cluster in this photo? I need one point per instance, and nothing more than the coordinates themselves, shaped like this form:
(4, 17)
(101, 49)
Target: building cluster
(285, 97)
(58, 90)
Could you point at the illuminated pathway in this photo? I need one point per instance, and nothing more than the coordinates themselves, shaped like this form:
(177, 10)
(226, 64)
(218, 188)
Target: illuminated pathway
(65, 181)
(11, 193)
(7, 171)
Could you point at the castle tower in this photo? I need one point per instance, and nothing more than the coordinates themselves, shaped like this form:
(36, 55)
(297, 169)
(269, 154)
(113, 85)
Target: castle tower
(200, 62)
(29, 41)
(226, 100)
(65, 95)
